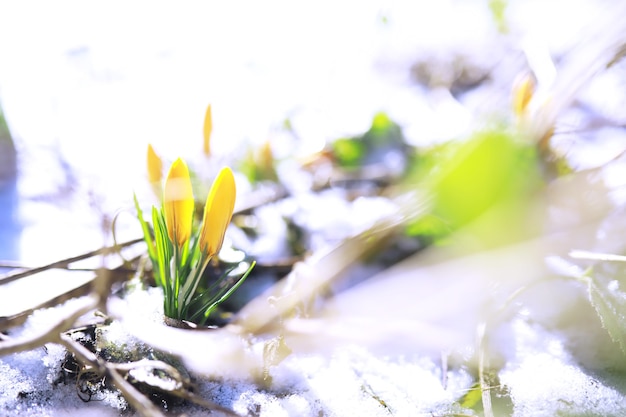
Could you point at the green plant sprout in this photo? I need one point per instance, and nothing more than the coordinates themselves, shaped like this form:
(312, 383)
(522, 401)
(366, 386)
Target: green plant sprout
(180, 254)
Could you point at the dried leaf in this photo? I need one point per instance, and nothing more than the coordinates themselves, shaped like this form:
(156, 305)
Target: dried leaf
(610, 303)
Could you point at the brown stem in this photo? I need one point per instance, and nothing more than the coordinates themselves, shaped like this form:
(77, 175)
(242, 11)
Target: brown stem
(12, 276)
(50, 335)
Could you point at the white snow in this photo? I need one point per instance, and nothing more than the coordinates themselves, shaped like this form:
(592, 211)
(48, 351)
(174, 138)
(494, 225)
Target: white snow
(545, 380)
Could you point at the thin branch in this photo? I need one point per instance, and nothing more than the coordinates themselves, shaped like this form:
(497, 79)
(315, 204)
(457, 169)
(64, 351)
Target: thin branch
(485, 389)
(136, 399)
(310, 276)
(100, 285)
(12, 276)
(50, 335)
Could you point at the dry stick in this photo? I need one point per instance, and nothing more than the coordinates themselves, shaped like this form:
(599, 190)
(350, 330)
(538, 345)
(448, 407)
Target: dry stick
(112, 276)
(135, 398)
(10, 277)
(181, 393)
(602, 46)
(310, 276)
(377, 173)
(55, 334)
(51, 334)
(259, 198)
(485, 389)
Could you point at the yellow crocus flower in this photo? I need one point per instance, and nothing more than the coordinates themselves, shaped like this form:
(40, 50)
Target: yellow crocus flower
(218, 212)
(208, 128)
(155, 165)
(178, 203)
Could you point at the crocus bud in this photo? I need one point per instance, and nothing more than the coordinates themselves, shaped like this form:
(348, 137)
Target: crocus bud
(155, 166)
(178, 203)
(218, 212)
(208, 128)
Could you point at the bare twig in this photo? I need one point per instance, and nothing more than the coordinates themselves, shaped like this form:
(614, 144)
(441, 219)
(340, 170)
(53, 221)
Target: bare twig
(265, 195)
(136, 399)
(50, 335)
(485, 389)
(119, 371)
(12, 276)
(114, 275)
(312, 275)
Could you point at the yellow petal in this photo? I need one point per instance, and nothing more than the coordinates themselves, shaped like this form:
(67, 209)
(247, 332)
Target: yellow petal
(208, 128)
(218, 212)
(178, 203)
(155, 165)
(523, 90)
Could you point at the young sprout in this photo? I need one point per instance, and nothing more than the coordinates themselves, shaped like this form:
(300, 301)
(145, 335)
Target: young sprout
(208, 128)
(180, 254)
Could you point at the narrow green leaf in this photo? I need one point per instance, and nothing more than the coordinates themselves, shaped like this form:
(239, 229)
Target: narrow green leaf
(224, 295)
(190, 286)
(146, 231)
(160, 250)
(164, 254)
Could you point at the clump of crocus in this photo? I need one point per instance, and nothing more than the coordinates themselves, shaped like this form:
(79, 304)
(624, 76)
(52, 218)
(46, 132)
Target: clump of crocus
(180, 252)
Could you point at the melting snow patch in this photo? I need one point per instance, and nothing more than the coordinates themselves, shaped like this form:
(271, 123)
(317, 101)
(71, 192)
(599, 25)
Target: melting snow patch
(352, 381)
(544, 380)
(32, 385)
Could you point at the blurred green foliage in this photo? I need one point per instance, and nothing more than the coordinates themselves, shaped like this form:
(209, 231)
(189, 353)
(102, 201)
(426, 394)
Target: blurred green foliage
(8, 157)
(384, 135)
(498, 8)
(259, 164)
(5, 134)
(467, 179)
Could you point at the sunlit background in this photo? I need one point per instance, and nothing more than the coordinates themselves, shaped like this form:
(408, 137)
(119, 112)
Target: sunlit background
(86, 87)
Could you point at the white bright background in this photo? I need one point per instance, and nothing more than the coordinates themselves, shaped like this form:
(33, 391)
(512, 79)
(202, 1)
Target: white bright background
(88, 85)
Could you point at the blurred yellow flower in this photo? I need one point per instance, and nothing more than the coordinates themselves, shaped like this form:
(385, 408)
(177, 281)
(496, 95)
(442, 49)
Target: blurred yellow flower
(178, 203)
(155, 165)
(208, 128)
(523, 90)
(218, 212)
